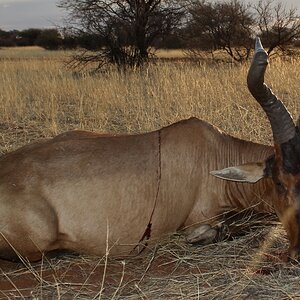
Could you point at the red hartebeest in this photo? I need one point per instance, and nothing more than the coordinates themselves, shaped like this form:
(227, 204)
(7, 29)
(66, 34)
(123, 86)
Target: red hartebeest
(82, 190)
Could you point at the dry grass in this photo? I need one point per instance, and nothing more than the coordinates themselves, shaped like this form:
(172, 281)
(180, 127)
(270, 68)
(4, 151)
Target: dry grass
(170, 53)
(247, 267)
(40, 98)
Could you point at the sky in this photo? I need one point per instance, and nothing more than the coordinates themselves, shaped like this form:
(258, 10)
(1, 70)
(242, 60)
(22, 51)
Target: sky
(23, 14)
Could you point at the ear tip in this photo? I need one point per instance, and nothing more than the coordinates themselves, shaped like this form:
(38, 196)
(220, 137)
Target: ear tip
(217, 173)
(221, 174)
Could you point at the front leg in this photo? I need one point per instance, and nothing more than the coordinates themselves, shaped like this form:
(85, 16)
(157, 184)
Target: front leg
(230, 225)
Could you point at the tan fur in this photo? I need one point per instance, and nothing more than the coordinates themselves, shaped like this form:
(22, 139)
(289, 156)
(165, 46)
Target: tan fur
(287, 206)
(80, 189)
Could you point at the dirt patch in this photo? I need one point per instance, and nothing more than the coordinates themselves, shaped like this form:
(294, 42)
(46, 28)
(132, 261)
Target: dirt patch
(253, 266)
(86, 274)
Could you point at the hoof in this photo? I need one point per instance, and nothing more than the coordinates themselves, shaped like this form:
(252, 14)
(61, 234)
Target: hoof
(202, 234)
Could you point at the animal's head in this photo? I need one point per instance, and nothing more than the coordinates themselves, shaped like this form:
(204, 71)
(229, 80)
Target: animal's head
(284, 165)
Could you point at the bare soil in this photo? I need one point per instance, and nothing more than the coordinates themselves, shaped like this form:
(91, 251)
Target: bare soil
(252, 266)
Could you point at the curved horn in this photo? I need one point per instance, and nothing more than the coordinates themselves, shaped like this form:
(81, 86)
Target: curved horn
(282, 124)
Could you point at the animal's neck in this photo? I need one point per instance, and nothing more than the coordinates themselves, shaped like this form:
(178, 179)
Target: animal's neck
(216, 196)
(261, 195)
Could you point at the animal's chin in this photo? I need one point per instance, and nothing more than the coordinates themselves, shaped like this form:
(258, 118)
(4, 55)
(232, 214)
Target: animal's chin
(291, 224)
(294, 253)
(294, 248)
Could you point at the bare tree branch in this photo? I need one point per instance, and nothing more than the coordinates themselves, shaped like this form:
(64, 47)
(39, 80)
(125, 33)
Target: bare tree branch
(278, 25)
(222, 25)
(128, 28)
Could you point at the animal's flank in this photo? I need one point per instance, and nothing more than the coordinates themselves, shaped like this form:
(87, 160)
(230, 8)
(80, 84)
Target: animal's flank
(147, 234)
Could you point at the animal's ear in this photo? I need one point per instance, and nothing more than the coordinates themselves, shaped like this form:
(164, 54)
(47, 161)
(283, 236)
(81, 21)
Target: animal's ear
(251, 172)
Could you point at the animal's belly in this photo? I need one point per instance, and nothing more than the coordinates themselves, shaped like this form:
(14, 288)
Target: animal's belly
(94, 213)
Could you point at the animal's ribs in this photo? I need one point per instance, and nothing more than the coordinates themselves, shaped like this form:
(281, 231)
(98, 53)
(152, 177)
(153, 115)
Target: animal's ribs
(147, 234)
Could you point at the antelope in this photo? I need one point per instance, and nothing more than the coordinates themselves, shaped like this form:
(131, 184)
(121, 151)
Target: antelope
(282, 166)
(94, 193)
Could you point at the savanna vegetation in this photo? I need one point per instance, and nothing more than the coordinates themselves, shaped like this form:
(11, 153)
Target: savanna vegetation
(40, 98)
(125, 33)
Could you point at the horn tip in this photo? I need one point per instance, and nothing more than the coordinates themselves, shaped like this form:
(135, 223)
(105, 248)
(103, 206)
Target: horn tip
(258, 46)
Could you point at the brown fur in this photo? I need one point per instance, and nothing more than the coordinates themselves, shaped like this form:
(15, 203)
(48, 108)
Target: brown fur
(80, 190)
(287, 206)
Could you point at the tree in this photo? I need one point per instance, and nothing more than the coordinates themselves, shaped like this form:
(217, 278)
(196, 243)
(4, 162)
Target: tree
(222, 25)
(28, 37)
(278, 25)
(127, 28)
(8, 38)
(49, 39)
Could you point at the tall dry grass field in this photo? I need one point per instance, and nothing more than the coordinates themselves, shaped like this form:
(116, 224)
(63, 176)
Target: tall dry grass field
(40, 97)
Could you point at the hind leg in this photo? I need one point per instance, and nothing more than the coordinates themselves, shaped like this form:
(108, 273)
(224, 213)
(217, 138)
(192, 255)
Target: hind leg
(7, 253)
(29, 231)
